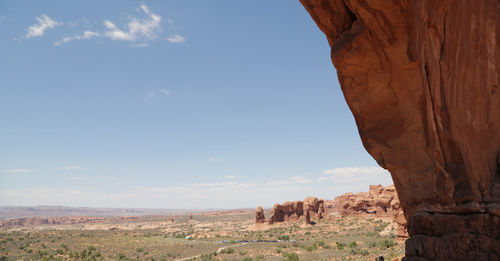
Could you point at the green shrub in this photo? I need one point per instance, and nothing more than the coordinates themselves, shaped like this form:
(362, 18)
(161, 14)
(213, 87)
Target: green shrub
(386, 243)
(353, 244)
(357, 251)
(290, 257)
(229, 250)
(206, 257)
(340, 245)
(284, 237)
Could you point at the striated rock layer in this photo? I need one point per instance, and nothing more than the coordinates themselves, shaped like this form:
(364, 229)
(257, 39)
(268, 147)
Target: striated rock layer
(421, 78)
(379, 201)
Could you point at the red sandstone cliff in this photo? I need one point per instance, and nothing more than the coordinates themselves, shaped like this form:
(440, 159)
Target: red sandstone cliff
(421, 78)
(311, 207)
(377, 202)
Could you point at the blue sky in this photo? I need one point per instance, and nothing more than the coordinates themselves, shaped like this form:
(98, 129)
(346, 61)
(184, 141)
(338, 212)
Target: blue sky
(172, 104)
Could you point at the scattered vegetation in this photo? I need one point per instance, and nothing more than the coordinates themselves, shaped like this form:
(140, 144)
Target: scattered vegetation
(344, 238)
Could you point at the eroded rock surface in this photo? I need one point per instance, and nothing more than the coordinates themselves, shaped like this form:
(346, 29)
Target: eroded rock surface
(379, 202)
(259, 215)
(422, 81)
(311, 207)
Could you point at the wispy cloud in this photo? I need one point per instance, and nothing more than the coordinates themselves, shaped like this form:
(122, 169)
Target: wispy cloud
(230, 177)
(71, 168)
(142, 45)
(176, 38)
(354, 174)
(18, 171)
(143, 29)
(149, 98)
(44, 23)
(86, 35)
(226, 193)
(291, 181)
(214, 159)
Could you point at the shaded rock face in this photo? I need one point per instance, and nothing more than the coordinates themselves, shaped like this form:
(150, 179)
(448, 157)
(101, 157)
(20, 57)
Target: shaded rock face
(296, 210)
(379, 201)
(422, 78)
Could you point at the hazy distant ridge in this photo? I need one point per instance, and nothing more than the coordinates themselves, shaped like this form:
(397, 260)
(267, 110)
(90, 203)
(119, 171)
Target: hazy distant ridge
(9, 212)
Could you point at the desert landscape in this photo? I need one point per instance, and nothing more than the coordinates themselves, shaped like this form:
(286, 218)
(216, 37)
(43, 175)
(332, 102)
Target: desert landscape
(216, 108)
(349, 227)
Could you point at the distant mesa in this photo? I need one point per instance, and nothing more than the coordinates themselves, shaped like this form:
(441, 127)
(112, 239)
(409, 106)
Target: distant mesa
(38, 221)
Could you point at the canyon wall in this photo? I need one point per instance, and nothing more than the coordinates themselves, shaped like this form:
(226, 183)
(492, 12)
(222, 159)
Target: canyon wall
(421, 78)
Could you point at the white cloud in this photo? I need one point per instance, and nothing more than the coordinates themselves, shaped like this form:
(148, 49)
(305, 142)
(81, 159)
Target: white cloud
(354, 174)
(140, 45)
(150, 97)
(214, 159)
(71, 168)
(227, 192)
(176, 38)
(18, 171)
(136, 29)
(291, 181)
(44, 23)
(86, 35)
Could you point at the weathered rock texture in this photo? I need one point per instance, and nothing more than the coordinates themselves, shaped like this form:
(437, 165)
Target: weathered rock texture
(421, 78)
(377, 202)
(311, 207)
(259, 215)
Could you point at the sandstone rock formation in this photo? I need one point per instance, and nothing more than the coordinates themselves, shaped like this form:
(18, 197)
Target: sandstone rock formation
(422, 81)
(314, 207)
(378, 202)
(293, 211)
(259, 215)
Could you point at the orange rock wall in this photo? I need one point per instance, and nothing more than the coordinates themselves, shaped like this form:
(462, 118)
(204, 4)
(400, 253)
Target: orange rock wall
(421, 78)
